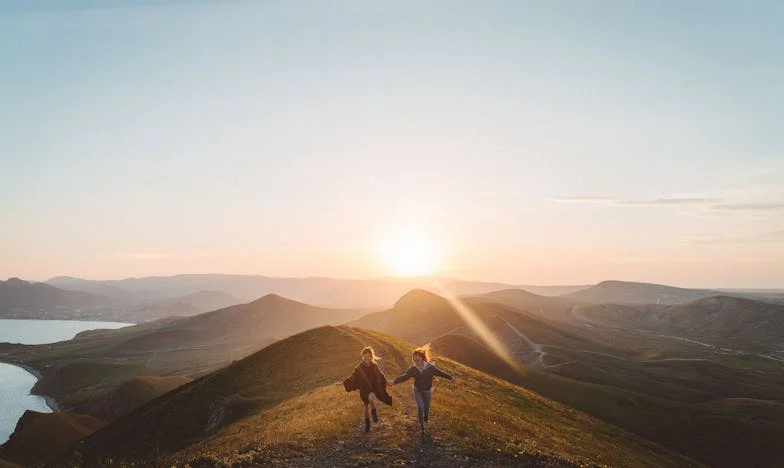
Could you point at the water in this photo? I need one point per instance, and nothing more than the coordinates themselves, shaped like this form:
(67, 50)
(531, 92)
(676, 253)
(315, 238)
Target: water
(47, 331)
(15, 382)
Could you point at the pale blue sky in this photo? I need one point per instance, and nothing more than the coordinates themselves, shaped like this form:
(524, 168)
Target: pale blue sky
(532, 142)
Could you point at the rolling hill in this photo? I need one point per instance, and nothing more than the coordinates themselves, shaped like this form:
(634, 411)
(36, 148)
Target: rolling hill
(284, 405)
(626, 292)
(726, 432)
(642, 382)
(79, 371)
(421, 316)
(40, 436)
(25, 299)
(130, 395)
(369, 294)
(722, 320)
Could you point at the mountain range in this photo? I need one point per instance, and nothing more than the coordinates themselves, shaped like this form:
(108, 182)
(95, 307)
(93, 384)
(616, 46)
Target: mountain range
(596, 376)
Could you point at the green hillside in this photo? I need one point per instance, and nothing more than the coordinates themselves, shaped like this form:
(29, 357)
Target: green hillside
(286, 405)
(131, 395)
(40, 436)
(725, 432)
(80, 371)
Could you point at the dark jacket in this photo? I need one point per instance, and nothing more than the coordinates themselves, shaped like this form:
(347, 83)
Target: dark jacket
(423, 380)
(368, 379)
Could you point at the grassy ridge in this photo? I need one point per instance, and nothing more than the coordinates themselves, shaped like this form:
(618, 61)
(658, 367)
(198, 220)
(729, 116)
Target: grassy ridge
(285, 404)
(130, 395)
(41, 436)
(726, 432)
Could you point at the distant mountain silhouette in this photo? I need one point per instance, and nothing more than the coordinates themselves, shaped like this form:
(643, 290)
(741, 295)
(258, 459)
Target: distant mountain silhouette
(25, 299)
(626, 292)
(367, 294)
(550, 307)
(720, 319)
(184, 306)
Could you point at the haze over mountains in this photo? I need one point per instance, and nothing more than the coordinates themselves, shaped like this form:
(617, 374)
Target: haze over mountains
(144, 299)
(327, 292)
(677, 371)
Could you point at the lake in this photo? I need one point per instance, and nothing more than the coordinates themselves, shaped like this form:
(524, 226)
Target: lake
(15, 382)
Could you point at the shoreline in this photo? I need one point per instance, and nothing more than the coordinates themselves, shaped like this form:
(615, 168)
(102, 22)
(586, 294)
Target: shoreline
(50, 401)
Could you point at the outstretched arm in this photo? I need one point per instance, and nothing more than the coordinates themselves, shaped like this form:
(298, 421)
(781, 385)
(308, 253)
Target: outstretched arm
(442, 374)
(350, 384)
(403, 377)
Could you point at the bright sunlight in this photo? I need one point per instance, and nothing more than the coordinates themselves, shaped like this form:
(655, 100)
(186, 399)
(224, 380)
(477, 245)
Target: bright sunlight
(409, 253)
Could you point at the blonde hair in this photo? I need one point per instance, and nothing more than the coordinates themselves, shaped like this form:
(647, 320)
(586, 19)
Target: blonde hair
(368, 350)
(423, 351)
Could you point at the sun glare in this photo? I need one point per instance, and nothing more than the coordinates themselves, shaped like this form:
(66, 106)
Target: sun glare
(409, 253)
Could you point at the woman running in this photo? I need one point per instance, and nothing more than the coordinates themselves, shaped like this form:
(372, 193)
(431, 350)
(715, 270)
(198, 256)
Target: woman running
(422, 372)
(371, 383)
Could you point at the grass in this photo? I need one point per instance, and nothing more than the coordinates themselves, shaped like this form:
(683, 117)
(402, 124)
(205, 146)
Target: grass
(286, 404)
(45, 435)
(722, 432)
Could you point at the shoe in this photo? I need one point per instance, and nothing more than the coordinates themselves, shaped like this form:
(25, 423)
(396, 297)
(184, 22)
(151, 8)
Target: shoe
(375, 415)
(367, 425)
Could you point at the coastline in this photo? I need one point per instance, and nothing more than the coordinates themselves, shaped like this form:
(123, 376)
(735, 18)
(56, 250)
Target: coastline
(50, 401)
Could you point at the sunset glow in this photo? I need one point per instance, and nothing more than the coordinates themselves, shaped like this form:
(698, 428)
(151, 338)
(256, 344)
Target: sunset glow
(409, 253)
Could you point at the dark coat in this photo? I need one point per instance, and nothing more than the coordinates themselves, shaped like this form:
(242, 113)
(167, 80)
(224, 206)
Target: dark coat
(368, 379)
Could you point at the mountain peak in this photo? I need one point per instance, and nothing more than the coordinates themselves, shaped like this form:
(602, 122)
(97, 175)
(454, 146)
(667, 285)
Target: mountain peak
(273, 299)
(419, 298)
(15, 281)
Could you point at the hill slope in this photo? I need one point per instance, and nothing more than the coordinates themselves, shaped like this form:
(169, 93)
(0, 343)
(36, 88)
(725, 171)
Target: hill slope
(627, 292)
(131, 395)
(25, 299)
(731, 321)
(82, 370)
(40, 436)
(285, 405)
(421, 316)
(651, 385)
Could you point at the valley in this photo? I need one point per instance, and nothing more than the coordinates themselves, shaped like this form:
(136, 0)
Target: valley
(661, 380)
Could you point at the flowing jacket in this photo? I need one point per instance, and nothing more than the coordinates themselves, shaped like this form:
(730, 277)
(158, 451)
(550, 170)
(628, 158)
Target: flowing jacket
(368, 379)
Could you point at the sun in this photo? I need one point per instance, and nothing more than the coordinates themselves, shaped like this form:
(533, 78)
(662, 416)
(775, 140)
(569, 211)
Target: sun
(409, 253)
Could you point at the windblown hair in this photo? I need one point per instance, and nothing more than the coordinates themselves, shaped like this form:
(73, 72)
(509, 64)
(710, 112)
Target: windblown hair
(423, 351)
(369, 350)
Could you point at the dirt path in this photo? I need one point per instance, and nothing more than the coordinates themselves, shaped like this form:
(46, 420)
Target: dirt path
(393, 441)
(536, 347)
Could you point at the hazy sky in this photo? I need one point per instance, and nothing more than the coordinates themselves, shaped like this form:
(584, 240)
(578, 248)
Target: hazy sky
(542, 142)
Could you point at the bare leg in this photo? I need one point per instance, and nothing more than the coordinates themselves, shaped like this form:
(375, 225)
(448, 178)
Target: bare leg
(372, 399)
(367, 417)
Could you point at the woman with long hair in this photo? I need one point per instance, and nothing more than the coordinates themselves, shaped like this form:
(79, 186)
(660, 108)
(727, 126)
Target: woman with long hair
(422, 371)
(371, 383)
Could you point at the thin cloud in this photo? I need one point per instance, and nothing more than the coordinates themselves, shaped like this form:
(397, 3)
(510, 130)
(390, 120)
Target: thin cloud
(775, 236)
(152, 255)
(584, 199)
(747, 207)
(662, 201)
(667, 201)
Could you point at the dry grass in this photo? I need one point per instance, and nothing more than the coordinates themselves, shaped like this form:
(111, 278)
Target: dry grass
(479, 419)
